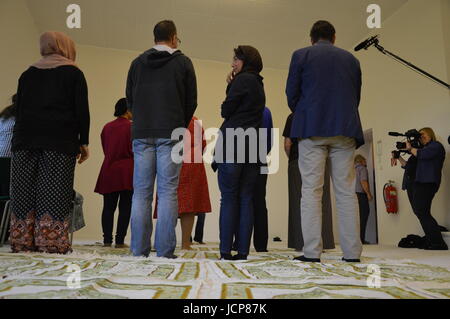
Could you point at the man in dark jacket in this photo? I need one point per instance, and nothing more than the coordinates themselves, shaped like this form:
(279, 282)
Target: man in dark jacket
(323, 91)
(162, 95)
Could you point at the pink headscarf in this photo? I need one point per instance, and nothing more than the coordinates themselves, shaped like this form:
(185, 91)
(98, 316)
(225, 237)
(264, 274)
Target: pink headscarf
(57, 49)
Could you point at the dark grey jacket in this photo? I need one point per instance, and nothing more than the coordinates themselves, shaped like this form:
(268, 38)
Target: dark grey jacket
(161, 93)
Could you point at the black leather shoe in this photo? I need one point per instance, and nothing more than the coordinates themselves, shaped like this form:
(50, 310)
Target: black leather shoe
(240, 257)
(351, 260)
(307, 260)
(171, 256)
(226, 257)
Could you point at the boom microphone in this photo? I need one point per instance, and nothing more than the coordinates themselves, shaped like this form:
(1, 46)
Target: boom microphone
(367, 43)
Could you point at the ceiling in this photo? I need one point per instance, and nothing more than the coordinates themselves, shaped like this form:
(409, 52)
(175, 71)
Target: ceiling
(210, 29)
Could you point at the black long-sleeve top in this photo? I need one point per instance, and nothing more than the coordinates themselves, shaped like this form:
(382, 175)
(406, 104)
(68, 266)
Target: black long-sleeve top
(243, 109)
(52, 110)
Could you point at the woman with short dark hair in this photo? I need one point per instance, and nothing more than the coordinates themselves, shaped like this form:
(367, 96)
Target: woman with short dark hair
(115, 181)
(242, 109)
(51, 132)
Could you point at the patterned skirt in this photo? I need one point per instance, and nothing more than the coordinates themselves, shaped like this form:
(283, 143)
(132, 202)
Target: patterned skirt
(41, 201)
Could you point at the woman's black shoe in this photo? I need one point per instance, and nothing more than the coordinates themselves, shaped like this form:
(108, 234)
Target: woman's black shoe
(308, 260)
(351, 260)
(226, 257)
(239, 257)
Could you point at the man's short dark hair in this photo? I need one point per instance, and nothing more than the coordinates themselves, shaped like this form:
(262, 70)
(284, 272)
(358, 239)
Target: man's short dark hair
(164, 31)
(322, 30)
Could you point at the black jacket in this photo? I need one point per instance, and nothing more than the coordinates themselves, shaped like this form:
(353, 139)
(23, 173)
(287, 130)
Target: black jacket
(242, 108)
(161, 93)
(52, 110)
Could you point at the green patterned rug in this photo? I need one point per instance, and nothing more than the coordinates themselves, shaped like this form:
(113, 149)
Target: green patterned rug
(92, 271)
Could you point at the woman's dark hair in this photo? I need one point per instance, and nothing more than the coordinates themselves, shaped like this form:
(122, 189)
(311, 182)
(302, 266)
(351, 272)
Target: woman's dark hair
(164, 30)
(322, 30)
(251, 58)
(10, 111)
(121, 107)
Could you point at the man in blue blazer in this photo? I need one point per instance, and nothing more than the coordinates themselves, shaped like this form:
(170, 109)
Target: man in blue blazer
(323, 91)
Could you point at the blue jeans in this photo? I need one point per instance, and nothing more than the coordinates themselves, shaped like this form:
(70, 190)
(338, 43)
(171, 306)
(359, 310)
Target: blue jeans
(152, 159)
(237, 184)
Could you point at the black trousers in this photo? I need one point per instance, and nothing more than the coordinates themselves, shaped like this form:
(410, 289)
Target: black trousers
(260, 226)
(198, 237)
(421, 196)
(110, 201)
(364, 211)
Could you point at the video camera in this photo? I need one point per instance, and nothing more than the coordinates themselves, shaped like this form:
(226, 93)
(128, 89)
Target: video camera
(412, 136)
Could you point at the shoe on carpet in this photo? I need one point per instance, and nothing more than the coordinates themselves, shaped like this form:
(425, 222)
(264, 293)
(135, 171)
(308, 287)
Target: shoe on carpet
(226, 256)
(107, 245)
(351, 260)
(261, 250)
(240, 257)
(170, 256)
(121, 246)
(308, 260)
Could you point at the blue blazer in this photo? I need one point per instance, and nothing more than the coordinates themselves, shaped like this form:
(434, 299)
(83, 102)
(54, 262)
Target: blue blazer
(323, 91)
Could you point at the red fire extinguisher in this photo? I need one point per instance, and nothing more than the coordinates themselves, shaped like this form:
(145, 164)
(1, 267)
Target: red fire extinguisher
(390, 197)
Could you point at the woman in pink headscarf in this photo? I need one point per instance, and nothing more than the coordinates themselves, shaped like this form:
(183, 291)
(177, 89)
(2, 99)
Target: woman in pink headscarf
(51, 132)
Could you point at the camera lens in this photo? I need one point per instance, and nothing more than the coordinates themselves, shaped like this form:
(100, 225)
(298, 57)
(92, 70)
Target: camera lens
(401, 145)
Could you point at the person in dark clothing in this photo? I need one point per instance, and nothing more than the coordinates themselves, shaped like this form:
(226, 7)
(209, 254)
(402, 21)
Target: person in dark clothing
(51, 131)
(362, 190)
(237, 163)
(162, 95)
(7, 121)
(199, 227)
(421, 180)
(115, 181)
(295, 235)
(261, 222)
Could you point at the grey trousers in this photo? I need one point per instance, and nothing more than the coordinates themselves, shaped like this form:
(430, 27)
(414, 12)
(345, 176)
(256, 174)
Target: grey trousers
(295, 236)
(313, 154)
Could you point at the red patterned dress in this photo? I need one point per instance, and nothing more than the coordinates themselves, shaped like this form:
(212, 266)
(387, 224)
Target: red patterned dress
(193, 193)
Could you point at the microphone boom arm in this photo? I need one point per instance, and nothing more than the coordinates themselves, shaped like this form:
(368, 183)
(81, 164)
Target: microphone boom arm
(408, 64)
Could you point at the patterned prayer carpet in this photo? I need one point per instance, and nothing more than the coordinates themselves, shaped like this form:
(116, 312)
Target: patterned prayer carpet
(198, 274)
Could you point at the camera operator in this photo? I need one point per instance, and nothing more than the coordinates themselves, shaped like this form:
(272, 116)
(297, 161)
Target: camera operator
(422, 180)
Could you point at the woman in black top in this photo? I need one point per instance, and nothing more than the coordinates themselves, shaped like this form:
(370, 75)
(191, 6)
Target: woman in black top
(242, 110)
(51, 132)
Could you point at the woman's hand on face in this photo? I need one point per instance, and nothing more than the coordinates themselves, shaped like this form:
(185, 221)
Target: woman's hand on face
(230, 77)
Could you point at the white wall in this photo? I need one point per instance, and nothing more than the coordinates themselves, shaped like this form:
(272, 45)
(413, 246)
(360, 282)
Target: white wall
(20, 45)
(397, 99)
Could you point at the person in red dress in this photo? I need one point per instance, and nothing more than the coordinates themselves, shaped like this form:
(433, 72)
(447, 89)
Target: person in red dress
(193, 193)
(115, 181)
